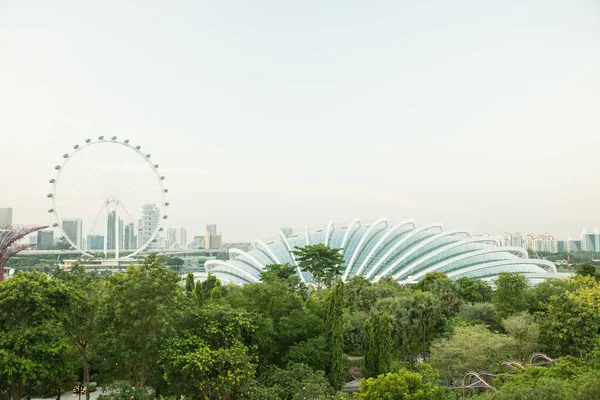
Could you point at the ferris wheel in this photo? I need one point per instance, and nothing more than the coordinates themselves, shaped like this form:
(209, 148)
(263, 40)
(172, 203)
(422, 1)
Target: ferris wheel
(108, 197)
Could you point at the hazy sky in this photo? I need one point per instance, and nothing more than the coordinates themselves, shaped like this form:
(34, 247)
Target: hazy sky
(477, 114)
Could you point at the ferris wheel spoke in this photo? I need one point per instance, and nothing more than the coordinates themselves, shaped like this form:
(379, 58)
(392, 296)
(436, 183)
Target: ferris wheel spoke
(87, 182)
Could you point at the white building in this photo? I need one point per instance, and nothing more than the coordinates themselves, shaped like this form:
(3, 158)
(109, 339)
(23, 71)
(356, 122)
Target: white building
(148, 224)
(6, 216)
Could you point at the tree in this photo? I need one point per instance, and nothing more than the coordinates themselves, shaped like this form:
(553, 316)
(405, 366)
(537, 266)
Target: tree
(296, 382)
(404, 385)
(77, 313)
(321, 261)
(203, 289)
(480, 313)
(210, 356)
(378, 345)
(587, 269)
(572, 322)
(135, 316)
(474, 290)
(31, 344)
(525, 331)
(425, 284)
(336, 371)
(277, 272)
(189, 282)
(470, 348)
(512, 294)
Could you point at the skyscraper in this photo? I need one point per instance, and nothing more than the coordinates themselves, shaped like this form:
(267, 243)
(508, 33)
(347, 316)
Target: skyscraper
(212, 239)
(129, 237)
(45, 240)
(110, 234)
(198, 242)
(181, 237)
(95, 242)
(73, 228)
(211, 229)
(6, 215)
(147, 225)
(171, 238)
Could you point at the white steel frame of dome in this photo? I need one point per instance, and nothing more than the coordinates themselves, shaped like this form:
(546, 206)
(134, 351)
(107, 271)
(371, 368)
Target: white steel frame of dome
(403, 251)
(161, 192)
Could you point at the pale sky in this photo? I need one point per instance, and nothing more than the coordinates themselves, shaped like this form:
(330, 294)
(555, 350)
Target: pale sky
(478, 114)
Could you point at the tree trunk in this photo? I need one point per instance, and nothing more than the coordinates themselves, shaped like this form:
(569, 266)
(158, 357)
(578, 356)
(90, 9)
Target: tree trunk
(424, 340)
(15, 392)
(86, 375)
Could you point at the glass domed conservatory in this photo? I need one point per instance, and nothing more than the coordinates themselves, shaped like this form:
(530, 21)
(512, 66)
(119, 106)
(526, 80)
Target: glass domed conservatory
(404, 251)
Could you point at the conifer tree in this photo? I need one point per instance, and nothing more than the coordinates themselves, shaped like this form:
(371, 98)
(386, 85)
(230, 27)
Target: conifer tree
(189, 282)
(377, 346)
(337, 373)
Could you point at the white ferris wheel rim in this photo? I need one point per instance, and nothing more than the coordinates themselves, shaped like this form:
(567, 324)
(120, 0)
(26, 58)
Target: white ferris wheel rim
(136, 149)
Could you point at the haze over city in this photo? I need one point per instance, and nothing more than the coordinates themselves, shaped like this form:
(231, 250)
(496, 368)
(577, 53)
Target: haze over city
(477, 116)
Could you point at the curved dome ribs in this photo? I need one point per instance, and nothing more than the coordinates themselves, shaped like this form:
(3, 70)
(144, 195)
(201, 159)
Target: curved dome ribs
(405, 258)
(266, 250)
(287, 244)
(453, 262)
(422, 262)
(329, 232)
(223, 267)
(401, 242)
(251, 261)
(367, 235)
(403, 251)
(389, 237)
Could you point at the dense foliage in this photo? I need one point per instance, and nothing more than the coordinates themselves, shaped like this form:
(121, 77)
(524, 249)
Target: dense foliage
(147, 332)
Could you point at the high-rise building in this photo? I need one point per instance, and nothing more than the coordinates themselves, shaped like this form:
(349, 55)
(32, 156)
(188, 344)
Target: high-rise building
(212, 238)
(512, 239)
(590, 241)
(73, 229)
(129, 242)
(148, 224)
(6, 216)
(171, 238)
(110, 230)
(574, 244)
(95, 242)
(198, 242)
(45, 240)
(33, 239)
(287, 232)
(211, 229)
(181, 237)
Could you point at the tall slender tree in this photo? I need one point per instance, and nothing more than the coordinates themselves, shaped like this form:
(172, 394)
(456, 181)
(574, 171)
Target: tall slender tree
(377, 345)
(337, 372)
(189, 282)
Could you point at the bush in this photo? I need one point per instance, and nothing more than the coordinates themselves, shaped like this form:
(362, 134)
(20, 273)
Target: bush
(122, 390)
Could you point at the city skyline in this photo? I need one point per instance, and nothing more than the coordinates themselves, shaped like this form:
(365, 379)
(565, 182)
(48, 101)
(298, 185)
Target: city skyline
(295, 115)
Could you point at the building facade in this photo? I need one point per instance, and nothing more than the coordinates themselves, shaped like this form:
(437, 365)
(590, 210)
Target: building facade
(404, 252)
(95, 242)
(73, 229)
(6, 217)
(45, 240)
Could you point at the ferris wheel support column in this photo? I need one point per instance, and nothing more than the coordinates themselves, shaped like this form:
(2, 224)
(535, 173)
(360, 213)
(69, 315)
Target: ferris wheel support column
(106, 235)
(117, 229)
